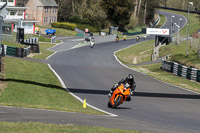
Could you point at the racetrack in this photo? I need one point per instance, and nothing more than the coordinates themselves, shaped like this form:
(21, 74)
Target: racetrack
(90, 73)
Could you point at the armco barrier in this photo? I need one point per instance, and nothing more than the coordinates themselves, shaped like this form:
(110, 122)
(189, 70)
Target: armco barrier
(182, 71)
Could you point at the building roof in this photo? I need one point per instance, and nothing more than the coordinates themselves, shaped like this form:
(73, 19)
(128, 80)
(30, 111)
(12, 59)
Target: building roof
(48, 2)
(16, 8)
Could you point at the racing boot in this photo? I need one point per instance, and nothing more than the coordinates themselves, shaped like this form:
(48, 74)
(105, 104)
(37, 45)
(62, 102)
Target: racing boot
(128, 98)
(110, 94)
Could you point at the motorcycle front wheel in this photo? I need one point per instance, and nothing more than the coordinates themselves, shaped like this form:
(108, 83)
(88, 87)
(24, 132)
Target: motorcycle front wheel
(109, 104)
(117, 101)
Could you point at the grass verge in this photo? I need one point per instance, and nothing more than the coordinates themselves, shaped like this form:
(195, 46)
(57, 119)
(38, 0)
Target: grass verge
(44, 53)
(137, 53)
(60, 31)
(179, 54)
(194, 22)
(162, 21)
(34, 127)
(32, 84)
(154, 69)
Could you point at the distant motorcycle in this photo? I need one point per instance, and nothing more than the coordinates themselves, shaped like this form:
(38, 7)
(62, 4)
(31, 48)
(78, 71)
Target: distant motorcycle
(92, 42)
(137, 38)
(119, 96)
(117, 40)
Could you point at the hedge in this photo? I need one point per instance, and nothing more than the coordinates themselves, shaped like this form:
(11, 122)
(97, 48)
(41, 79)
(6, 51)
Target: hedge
(72, 26)
(64, 25)
(91, 28)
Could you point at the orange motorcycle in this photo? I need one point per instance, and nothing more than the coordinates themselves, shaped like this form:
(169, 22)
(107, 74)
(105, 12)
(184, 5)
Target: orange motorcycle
(119, 96)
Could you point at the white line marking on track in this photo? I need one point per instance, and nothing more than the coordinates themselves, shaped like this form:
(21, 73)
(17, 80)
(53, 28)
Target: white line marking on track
(78, 98)
(146, 74)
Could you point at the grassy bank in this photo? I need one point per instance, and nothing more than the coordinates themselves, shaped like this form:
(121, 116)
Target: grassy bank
(44, 53)
(194, 22)
(33, 127)
(142, 52)
(180, 56)
(60, 31)
(162, 21)
(137, 53)
(179, 52)
(143, 55)
(32, 84)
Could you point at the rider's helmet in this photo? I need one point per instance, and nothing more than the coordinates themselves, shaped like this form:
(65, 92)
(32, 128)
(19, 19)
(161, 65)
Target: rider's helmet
(130, 79)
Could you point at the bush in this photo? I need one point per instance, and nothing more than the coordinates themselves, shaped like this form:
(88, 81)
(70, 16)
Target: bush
(64, 25)
(91, 28)
(72, 26)
(68, 26)
(76, 19)
(56, 25)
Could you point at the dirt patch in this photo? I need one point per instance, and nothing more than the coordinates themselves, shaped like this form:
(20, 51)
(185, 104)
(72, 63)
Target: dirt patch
(2, 76)
(145, 51)
(32, 54)
(135, 60)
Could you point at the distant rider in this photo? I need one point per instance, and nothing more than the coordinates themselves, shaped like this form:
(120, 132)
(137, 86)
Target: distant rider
(124, 37)
(137, 38)
(129, 83)
(117, 38)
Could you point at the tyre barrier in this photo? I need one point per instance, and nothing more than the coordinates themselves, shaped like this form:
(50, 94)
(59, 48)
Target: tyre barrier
(34, 47)
(31, 40)
(16, 52)
(181, 71)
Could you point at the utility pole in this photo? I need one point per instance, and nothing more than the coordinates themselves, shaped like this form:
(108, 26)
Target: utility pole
(172, 30)
(189, 5)
(0, 40)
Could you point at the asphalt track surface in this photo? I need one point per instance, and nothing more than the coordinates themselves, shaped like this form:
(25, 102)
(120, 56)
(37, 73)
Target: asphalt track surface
(90, 73)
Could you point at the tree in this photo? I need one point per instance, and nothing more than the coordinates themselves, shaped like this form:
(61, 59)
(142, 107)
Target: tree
(118, 12)
(21, 2)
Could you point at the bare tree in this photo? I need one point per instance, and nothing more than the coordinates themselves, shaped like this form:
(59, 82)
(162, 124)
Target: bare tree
(145, 11)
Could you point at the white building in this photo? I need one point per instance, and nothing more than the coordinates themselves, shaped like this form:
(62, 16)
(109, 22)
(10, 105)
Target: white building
(16, 16)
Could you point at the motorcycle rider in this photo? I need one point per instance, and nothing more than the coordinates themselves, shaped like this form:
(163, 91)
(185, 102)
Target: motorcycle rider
(137, 38)
(117, 38)
(129, 83)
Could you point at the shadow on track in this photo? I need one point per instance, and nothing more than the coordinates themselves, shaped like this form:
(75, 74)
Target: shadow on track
(138, 94)
(167, 95)
(31, 82)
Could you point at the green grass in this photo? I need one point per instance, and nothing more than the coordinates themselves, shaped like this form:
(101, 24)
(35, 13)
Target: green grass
(32, 84)
(60, 31)
(44, 53)
(193, 23)
(137, 53)
(35, 127)
(127, 56)
(137, 28)
(13, 44)
(155, 71)
(162, 21)
(179, 54)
